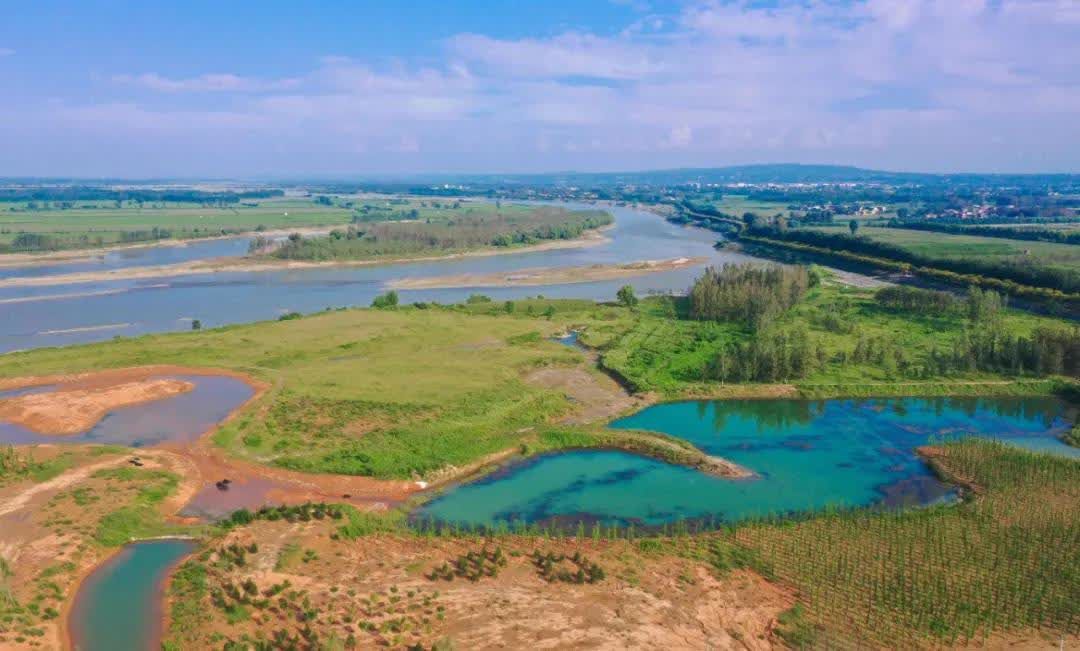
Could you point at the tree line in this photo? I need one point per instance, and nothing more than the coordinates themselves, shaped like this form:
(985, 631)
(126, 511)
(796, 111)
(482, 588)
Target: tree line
(92, 193)
(1022, 272)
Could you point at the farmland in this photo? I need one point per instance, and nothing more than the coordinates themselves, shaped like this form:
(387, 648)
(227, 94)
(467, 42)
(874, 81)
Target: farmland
(92, 224)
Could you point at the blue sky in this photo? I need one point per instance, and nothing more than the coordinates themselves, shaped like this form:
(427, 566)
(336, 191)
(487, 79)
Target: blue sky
(334, 88)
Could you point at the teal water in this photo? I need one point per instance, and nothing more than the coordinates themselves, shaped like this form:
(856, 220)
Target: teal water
(119, 606)
(808, 455)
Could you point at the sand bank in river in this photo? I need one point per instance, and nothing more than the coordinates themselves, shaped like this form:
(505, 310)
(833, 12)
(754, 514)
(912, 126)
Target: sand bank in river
(247, 265)
(75, 411)
(71, 256)
(546, 275)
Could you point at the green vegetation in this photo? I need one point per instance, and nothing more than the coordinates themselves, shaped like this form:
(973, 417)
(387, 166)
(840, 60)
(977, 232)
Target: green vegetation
(1038, 270)
(140, 518)
(1004, 560)
(473, 228)
(16, 464)
(835, 337)
(747, 294)
(472, 565)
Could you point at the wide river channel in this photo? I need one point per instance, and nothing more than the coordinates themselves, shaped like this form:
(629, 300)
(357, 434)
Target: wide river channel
(36, 316)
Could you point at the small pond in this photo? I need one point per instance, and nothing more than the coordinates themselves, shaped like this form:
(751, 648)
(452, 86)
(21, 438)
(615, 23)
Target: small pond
(808, 455)
(119, 606)
(182, 418)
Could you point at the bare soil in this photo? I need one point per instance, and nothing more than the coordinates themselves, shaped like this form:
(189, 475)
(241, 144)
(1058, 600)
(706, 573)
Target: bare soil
(377, 589)
(596, 396)
(72, 411)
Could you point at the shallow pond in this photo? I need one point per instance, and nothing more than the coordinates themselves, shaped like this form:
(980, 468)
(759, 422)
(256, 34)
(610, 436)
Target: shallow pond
(182, 418)
(119, 606)
(808, 455)
(58, 315)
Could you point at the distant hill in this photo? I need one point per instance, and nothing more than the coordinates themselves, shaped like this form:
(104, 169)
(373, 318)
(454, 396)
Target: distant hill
(769, 173)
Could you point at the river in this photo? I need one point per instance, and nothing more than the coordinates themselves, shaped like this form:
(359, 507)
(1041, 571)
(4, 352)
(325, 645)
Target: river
(35, 317)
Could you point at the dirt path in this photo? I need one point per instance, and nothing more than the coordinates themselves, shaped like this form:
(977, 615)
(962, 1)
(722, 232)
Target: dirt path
(22, 499)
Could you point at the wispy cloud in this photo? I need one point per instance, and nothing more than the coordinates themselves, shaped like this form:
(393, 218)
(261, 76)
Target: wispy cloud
(208, 83)
(6, 52)
(918, 83)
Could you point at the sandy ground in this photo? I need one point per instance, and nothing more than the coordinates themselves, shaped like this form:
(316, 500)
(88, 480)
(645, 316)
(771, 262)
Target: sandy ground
(546, 275)
(596, 397)
(659, 602)
(220, 265)
(75, 411)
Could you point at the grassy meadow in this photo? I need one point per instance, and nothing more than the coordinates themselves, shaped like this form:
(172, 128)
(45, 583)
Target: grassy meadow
(387, 393)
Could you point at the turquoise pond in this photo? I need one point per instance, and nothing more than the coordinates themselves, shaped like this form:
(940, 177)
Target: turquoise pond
(808, 455)
(119, 606)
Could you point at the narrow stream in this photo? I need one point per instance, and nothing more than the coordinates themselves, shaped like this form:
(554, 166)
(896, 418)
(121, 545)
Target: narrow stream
(119, 606)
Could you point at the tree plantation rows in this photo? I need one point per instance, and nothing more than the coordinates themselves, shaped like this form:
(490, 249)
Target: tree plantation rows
(1008, 560)
(1024, 272)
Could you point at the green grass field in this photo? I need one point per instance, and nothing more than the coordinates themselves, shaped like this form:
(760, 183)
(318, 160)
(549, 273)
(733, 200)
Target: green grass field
(737, 205)
(386, 393)
(987, 249)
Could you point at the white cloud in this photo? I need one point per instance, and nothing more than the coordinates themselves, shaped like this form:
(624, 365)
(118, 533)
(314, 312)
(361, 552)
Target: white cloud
(6, 52)
(950, 83)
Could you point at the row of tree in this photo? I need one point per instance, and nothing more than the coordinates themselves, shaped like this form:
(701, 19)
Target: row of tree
(1018, 271)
